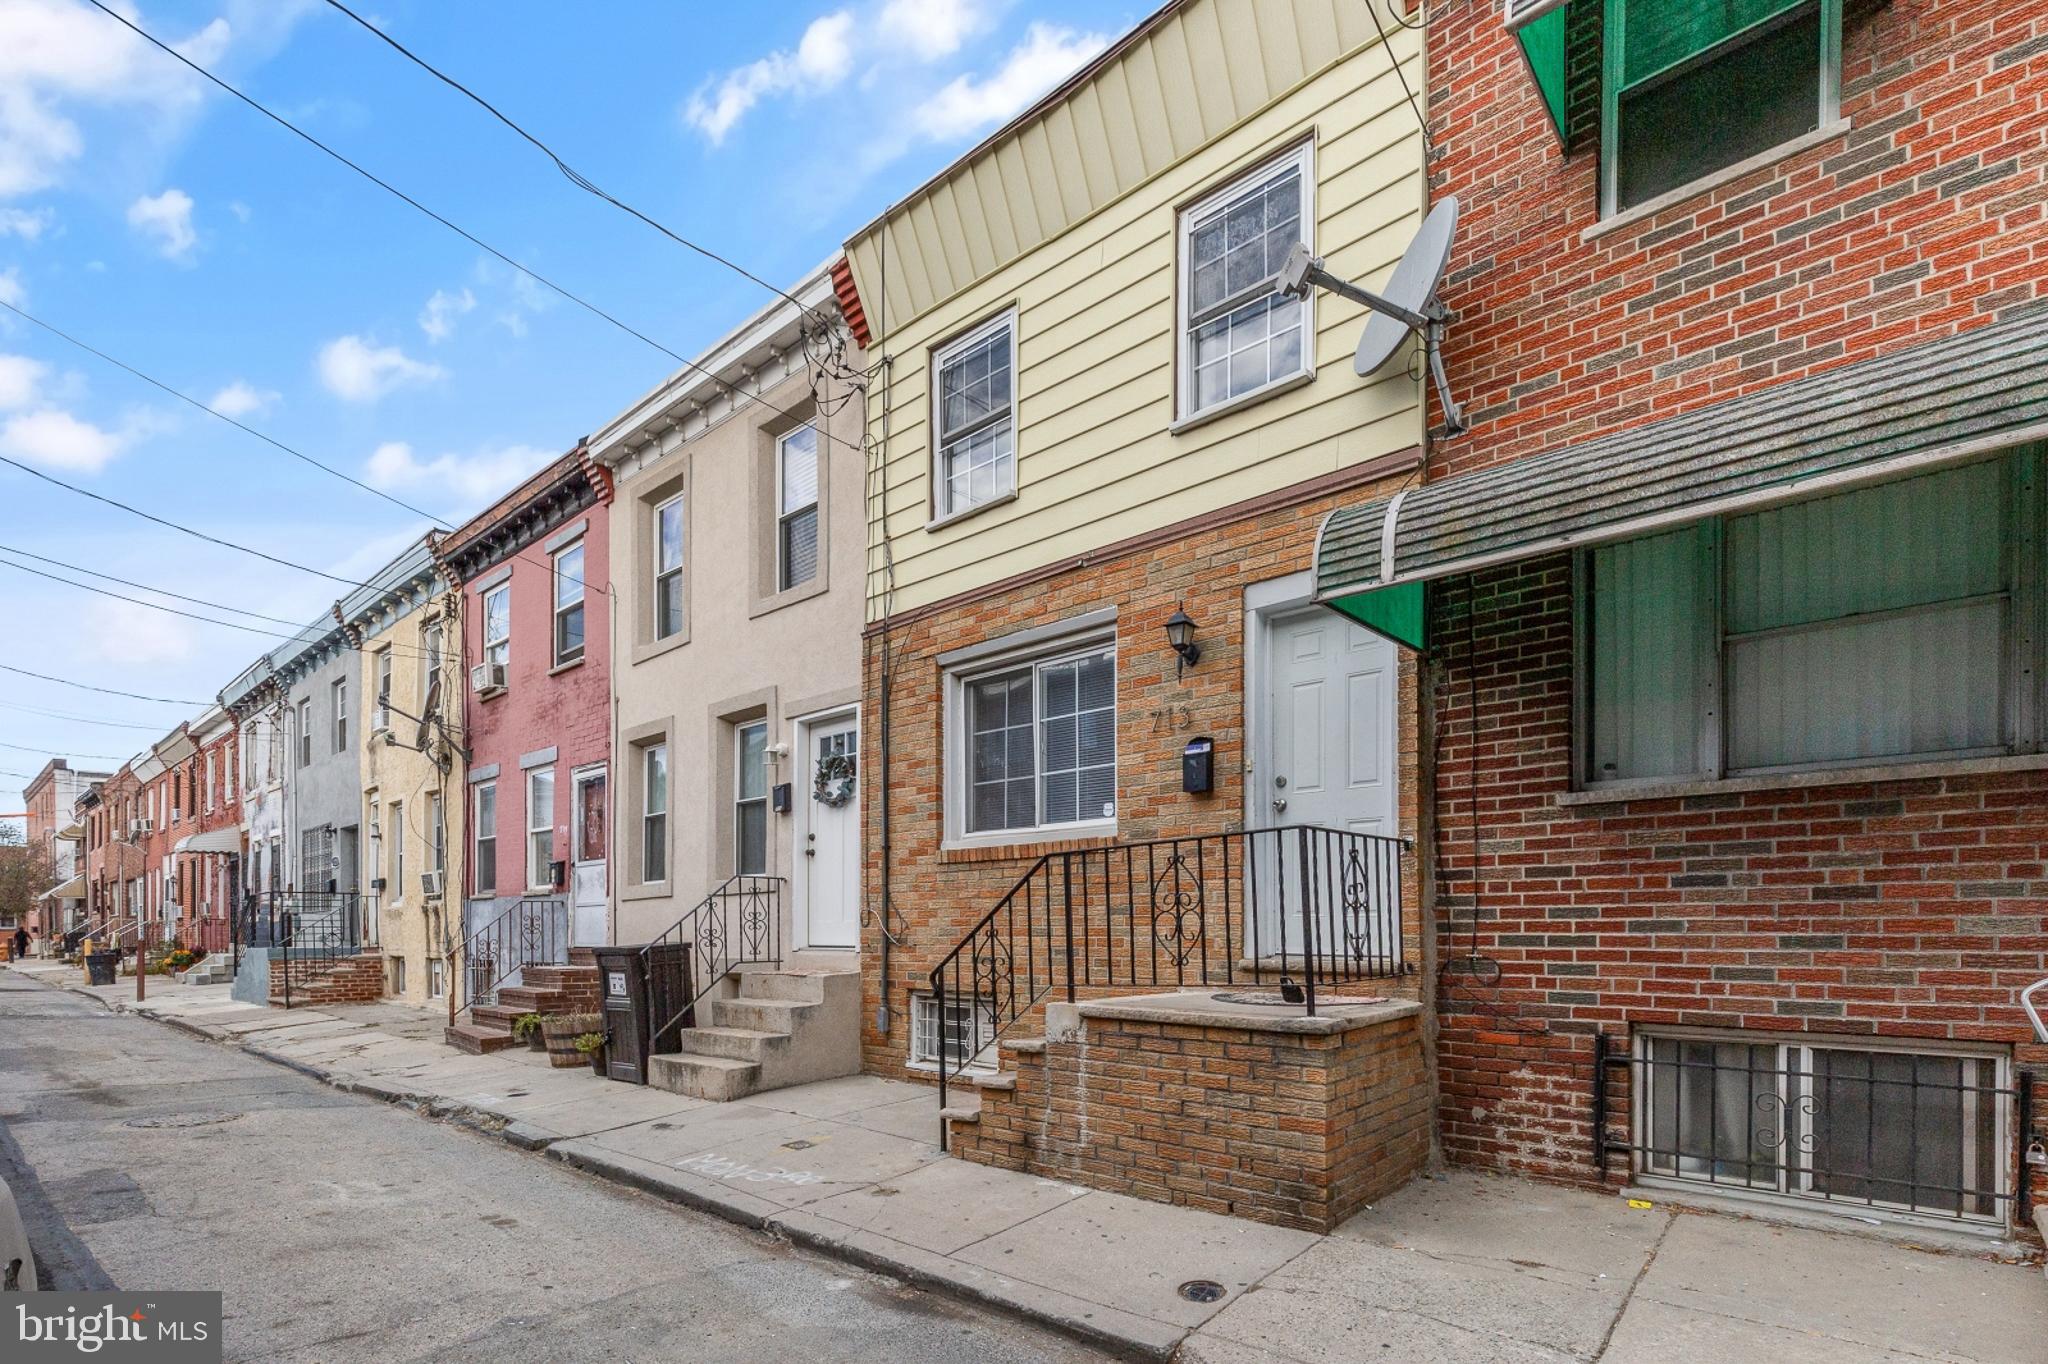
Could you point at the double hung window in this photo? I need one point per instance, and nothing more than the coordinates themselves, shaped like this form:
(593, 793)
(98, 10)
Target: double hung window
(1238, 333)
(975, 417)
(1036, 744)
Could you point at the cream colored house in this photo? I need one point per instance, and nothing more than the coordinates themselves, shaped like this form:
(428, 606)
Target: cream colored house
(736, 551)
(1094, 415)
(410, 732)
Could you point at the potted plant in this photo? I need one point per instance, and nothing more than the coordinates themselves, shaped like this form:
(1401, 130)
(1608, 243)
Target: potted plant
(526, 1028)
(591, 1046)
(560, 1032)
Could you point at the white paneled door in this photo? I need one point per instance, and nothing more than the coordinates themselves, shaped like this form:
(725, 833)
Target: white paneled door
(587, 875)
(828, 870)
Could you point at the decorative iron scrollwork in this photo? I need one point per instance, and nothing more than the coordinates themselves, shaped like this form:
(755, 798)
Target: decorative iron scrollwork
(1177, 909)
(1773, 1106)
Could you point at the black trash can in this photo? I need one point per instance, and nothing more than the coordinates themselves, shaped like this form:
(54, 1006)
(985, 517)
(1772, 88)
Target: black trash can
(642, 990)
(100, 967)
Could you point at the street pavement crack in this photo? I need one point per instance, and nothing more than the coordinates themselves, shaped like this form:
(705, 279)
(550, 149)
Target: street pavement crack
(1621, 1309)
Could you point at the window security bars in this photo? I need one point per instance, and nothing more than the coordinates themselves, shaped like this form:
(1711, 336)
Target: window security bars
(1928, 1136)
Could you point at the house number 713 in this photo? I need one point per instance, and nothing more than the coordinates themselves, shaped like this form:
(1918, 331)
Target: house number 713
(1169, 718)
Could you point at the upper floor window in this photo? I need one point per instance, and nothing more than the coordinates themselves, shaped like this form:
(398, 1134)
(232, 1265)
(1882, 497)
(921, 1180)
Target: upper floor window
(431, 671)
(569, 605)
(668, 568)
(498, 625)
(975, 416)
(381, 717)
(306, 732)
(340, 690)
(1238, 333)
(796, 508)
(1688, 89)
(1883, 625)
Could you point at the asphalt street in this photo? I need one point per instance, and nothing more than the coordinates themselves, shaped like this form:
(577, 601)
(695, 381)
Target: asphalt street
(344, 1229)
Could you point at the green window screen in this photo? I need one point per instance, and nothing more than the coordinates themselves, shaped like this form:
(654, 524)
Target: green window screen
(1659, 34)
(1543, 47)
(1643, 640)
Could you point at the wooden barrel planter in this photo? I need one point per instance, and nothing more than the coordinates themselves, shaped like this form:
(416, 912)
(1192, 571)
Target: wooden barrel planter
(561, 1032)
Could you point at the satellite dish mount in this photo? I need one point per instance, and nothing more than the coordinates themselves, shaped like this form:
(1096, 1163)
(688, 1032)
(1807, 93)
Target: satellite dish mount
(1409, 306)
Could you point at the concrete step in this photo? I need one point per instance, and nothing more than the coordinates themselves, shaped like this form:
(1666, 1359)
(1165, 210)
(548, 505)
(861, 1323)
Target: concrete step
(760, 1015)
(476, 1039)
(793, 986)
(704, 1077)
(733, 1044)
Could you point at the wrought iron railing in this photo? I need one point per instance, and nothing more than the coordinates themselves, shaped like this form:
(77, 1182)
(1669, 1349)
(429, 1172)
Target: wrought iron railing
(738, 924)
(309, 930)
(530, 932)
(1281, 912)
(1913, 1134)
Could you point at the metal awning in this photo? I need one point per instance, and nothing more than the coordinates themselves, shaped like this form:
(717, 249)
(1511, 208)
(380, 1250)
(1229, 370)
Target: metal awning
(74, 889)
(212, 841)
(1942, 402)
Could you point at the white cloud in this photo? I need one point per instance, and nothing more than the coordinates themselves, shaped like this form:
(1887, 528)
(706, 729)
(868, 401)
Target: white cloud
(354, 369)
(822, 59)
(471, 479)
(168, 218)
(26, 223)
(437, 319)
(54, 437)
(931, 29)
(11, 288)
(966, 105)
(20, 379)
(123, 632)
(240, 399)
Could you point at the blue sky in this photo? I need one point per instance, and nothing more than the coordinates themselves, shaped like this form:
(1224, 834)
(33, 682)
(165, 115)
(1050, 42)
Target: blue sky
(168, 225)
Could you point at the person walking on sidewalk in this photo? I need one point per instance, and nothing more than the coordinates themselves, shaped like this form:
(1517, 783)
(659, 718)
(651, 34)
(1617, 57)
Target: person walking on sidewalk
(20, 942)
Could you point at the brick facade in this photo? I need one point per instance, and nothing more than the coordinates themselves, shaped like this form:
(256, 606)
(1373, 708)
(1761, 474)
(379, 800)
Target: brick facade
(937, 894)
(1899, 909)
(1300, 1129)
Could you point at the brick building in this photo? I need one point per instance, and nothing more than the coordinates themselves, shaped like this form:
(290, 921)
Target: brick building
(52, 797)
(206, 853)
(1732, 645)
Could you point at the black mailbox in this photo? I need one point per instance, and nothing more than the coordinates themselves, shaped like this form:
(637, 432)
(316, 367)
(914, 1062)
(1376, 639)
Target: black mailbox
(779, 797)
(1198, 765)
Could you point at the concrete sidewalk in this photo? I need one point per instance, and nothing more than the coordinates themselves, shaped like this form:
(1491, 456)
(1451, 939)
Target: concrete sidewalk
(1462, 1268)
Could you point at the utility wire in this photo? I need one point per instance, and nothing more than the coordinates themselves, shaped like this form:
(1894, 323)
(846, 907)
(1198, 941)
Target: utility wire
(78, 719)
(214, 412)
(105, 691)
(465, 234)
(569, 172)
(154, 606)
(161, 592)
(89, 757)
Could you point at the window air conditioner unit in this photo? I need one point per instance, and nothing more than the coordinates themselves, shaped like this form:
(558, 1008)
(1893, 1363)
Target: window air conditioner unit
(140, 826)
(430, 884)
(485, 678)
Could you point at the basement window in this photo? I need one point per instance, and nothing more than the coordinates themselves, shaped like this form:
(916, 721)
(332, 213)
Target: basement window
(966, 1034)
(1692, 86)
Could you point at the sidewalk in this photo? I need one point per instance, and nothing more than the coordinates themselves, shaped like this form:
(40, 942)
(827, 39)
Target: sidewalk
(1464, 1268)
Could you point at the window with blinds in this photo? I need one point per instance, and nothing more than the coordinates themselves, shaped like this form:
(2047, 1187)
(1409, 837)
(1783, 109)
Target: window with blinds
(1886, 624)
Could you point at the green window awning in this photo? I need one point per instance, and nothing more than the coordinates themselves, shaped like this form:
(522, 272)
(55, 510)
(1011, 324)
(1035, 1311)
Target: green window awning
(1938, 403)
(1540, 29)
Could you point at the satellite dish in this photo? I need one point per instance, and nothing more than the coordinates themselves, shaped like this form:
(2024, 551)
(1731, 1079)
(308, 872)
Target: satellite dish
(1409, 305)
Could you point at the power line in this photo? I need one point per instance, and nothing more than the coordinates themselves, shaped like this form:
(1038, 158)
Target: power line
(569, 172)
(78, 719)
(465, 234)
(161, 592)
(105, 691)
(215, 412)
(89, 757)
(154, 606)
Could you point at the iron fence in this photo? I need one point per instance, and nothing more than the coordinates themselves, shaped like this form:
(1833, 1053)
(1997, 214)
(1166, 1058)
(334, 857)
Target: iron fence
(1284, 912)
(530, 932)
(308, 931)
(737, 924)
(1923, 1135)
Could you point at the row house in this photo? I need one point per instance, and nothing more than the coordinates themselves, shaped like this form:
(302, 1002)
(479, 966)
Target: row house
(1116, 745)
(1729, 601)
(252, 699)
(53, 797)
(532, 688)
(403, 630)
(204, 870)
(736, 552)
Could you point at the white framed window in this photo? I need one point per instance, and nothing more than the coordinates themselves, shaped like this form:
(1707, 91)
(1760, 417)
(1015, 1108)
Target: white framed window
(569, 604)
(1918, 1130)
(339, 693)
(437, 834)
(1862, 627)
(750, 799)
(249, 747)
(381, 718)
(540, 828)
(211, 778)
(1238, 334)
(498, 625)
(654, 813)
(306, 732)
(484, 851)
(796, 508)
(394, 833)
(430, 672)
(965, 1034)
(974, 418)
(436, 978)
(1031, 745)
(668, 568)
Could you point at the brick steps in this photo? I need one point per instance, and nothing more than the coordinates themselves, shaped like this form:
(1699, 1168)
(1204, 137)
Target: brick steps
(358, 979)
(476, 1039)
(544, 990)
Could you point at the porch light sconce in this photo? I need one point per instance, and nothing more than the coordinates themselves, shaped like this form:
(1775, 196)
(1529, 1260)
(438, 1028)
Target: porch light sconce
(1180, 633)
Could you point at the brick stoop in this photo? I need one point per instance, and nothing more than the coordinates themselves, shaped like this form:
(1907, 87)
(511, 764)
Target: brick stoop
(358, 979)
(571, 989)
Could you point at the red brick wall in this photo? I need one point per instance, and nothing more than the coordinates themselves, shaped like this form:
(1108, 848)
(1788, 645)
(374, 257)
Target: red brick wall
(1924, 219)
(939, 894)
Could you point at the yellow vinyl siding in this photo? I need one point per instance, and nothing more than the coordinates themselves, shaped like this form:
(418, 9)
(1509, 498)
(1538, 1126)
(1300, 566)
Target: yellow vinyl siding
(1096, 322)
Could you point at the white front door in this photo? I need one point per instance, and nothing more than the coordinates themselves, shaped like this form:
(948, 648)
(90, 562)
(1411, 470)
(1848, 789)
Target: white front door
(587, 875)
(828, 860)
(1329, 760)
